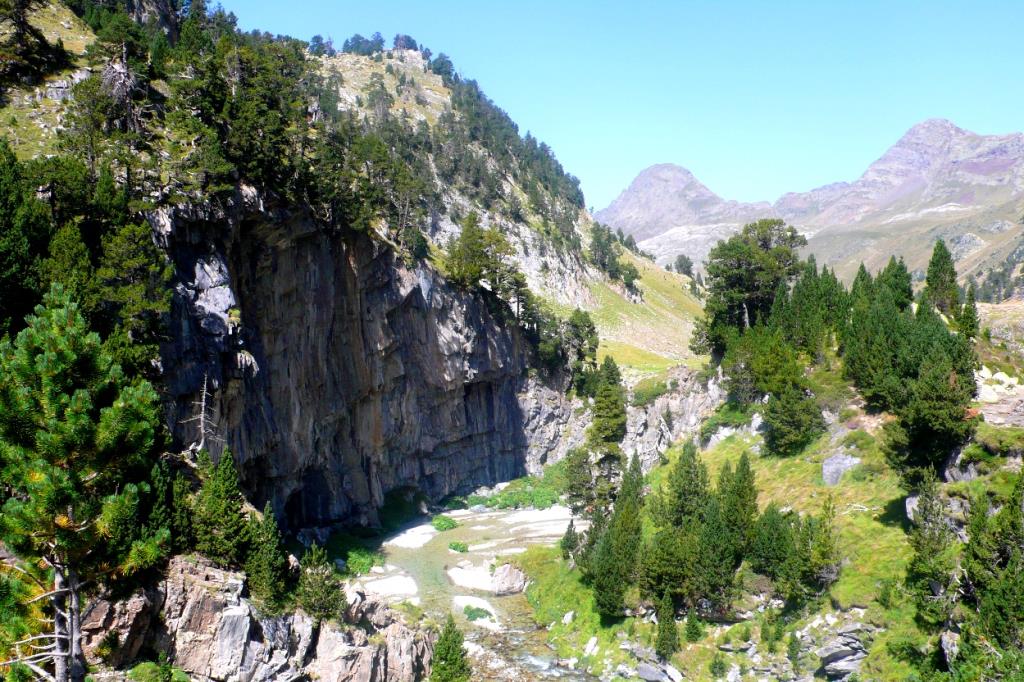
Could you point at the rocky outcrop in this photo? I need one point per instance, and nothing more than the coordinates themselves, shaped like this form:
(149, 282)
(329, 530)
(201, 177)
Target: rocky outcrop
(676, 415)
(336, 372)
(198, 615)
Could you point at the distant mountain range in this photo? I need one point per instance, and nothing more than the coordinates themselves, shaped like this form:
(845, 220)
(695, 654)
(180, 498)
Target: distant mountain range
(938, 180)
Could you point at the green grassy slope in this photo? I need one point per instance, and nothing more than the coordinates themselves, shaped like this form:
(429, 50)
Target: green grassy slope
(648, 337)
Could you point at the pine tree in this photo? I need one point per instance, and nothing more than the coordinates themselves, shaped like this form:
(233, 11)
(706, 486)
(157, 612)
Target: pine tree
(772, 542)
(319, 592)
(69, 263)
(931, 569)
(76, 439)
(182, 534)
(570, 542)
(617, 551)
(967, 322)
(450, 663)
(824, 552)
(579, 480)
(940, 282)
(219, 522)
(667, 642)
(670, 565)
(739, 505)
(266, 566)
(792, 419)
(135, 279)
(160, 493)
(935, 417)
(609, 422)
(717, 559)
(686, 491)
(793, 651)
(897, 279)
(694, 629)
(22, 240)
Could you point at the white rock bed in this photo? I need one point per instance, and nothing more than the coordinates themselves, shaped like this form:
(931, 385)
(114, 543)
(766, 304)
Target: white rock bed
(489, 623)
(393, 586)
(414, 537)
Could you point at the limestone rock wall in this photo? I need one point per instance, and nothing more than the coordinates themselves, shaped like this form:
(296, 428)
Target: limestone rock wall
(337, 373)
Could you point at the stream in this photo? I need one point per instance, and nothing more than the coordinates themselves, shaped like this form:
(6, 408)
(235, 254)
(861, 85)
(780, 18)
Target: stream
(421, 569)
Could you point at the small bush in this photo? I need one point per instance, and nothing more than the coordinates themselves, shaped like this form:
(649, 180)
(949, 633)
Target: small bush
(889, 593)
(728, 414)
(157, 672)
(718, 668)
(460, 547)
(647, 391)
(846, 414)
(443, 523)
(859, 440)
(360, 560)
(476, 613)
(744, 633)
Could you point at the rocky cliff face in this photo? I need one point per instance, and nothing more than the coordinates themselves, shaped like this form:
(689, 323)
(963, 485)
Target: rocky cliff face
(672, 417)
(198, 616)
(337, 373)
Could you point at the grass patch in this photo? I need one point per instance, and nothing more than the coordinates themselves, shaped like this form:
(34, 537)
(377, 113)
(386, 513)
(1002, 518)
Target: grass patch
(554, 590)
(152, 672)
(654, 334)
(646, 391)
(443, 523)
(476, 613)
(729, 414)
(828, 385)
(460, 547)
(1000, 440)
(538, 492)
(635, 358)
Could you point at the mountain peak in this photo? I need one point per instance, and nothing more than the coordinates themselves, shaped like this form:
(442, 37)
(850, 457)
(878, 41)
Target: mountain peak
(933, 131)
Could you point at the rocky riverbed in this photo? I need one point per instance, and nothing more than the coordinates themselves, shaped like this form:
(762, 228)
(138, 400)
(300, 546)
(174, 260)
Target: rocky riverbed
(421, 569)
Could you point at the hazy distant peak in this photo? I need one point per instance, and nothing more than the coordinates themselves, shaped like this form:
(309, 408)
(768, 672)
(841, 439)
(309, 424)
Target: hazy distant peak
(937, 178)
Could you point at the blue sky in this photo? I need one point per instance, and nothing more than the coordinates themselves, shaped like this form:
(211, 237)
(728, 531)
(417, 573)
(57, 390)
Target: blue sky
(755, 98)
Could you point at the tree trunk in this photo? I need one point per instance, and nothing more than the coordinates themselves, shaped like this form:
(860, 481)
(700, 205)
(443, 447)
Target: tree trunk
(75, 629)
(68, 660)
(61, 656)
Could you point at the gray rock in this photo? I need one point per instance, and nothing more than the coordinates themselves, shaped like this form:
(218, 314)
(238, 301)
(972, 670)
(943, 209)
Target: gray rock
(949, 642)
(646, 671)
(833, 468)
(508, 579)
(844, 667)
(215, 635)
(955, 470)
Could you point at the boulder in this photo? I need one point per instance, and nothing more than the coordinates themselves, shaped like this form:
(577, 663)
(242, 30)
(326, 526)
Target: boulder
(646, 671)
(508, 579)
(833, 468)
